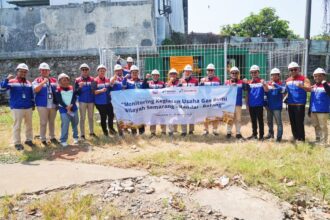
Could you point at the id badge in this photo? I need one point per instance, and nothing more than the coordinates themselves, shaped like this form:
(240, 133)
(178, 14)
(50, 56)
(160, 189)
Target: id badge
(50, 96)
(23, 96)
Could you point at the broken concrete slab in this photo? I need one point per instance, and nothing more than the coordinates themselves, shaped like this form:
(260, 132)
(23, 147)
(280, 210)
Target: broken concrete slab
(49, 175)
(236, 202)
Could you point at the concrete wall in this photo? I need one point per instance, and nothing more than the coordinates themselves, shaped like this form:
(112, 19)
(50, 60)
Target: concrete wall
(77, 26)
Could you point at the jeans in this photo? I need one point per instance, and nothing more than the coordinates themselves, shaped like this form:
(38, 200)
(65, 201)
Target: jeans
(106, 113)
(257, 117)
(66, 119)
(277, 114)
(297, 117)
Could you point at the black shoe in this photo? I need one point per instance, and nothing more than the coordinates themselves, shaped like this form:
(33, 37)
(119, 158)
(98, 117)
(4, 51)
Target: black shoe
(239, 136)
(191, 132)
(93, 135)
(215, 133)
(269, 136)
(29, 143)
(205, 133)
(261, 138)
(278, 139)
(112, 131)
(83, 137)
(19, 147)
(44, 143)
(170, 134)
(183, 134)
(253, 137)
(152, 135)
(106, 134)
(228, 136)
(54, 141)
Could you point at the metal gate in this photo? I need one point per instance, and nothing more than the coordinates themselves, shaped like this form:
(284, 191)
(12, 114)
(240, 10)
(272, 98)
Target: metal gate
(267, 55)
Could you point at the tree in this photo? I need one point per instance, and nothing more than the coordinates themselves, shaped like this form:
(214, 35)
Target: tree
(264, 24)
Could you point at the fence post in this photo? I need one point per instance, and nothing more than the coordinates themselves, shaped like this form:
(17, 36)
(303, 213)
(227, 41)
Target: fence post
(225, 60)
(306, 57)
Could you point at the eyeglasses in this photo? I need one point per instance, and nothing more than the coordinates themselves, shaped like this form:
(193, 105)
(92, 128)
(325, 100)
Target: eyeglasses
(210, 70)
(254, 72)
(293, 70)
(234, 73)
(84, 69)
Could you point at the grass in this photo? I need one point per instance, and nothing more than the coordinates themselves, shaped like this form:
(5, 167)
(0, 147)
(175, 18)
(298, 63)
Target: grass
(60, 206)
(272, 167)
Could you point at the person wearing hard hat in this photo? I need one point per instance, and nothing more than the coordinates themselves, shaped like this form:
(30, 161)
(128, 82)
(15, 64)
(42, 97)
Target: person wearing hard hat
(274, 95)
(83, 85)
(155, 83)
(101, 88)
(237, 82)
(67, 96)
(127, 67)
(256, 88)
(320, 106)
(297, 87)
(134, 82)
(173, 81)
(210, 80)
(116, 83)
(21, 102)
(186, 81)
(44, 88)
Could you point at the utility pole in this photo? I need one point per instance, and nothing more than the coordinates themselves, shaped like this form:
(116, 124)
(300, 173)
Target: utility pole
(307, 33)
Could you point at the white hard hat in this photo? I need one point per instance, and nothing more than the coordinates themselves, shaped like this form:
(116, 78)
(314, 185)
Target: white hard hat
(293, 65)
(117, 67)
(44, 66)
(254, 68)
(210, 67)
(134, 68)
(319, 70)
(234, 69)
(155, 72)
(22, 66)
(275, 71)
(63, 75)
(173, 70)
(84, 65)
(129, 60)
(101, 66)
(188, 68)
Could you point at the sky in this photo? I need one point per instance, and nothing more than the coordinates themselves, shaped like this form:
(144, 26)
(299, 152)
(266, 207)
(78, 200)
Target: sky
(210, 15)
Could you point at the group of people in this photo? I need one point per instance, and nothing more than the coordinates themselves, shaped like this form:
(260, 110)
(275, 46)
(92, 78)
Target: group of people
(49, 94)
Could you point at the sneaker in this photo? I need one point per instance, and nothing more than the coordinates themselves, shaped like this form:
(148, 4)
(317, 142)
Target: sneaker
(191, 132)
(83, 137)
(253, 137)
(215, 133)
(64, 144)
(228, 136)
(29, 143)
(75, 141)
(44, 143)
(239, 136)
(19, 147)
(54, 141)
(183, 134)
(205, 133)
(93, 135)
(261, 138)
(269, 136)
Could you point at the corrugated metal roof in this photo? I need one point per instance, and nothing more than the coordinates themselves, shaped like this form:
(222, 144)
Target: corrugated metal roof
(24, 3)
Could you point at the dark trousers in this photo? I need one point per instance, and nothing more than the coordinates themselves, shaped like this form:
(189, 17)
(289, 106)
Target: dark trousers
(106, 113)
(257, 117)
(297, 117)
